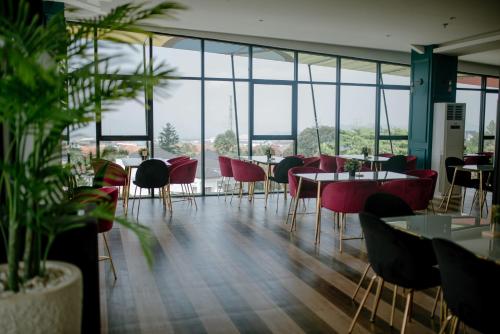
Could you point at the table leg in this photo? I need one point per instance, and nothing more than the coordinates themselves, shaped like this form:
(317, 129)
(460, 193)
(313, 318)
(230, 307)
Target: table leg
(127, 188)
(318, 214)
(451, 189)
(481, 195)
(295, 205)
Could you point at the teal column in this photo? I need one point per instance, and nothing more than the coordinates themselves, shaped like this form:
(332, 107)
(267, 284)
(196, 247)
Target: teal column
(433, 79)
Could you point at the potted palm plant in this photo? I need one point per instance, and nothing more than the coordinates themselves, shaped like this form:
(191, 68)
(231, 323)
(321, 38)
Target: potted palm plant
(352, 166)
(39, 100)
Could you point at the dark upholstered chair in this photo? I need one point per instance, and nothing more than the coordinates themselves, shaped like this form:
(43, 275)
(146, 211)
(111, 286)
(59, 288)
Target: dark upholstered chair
(398, 258)
(151, 174)
(383, 205)
(396, 163)
(281, 174)
(462, 179)
(470, 287)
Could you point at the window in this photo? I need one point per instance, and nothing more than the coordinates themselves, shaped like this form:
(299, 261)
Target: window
(357, 71)
(316, 68)
(123, 58)
(221, 58)
(272, 109)
(468, 81)
(395, 74)
(472, 100)
(307, 139)
(272, 64)
(357, 119)
(490, 116)
(280, 148)
(397, 105)
(125, 118)
(183, 54)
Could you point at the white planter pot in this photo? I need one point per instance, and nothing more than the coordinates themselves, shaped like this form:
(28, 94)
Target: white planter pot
(54, 309)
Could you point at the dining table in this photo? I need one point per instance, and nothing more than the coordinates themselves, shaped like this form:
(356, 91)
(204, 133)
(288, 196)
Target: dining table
(322, 178)
(466, 231)
(376, 161)
(480, 170)
(268, 164)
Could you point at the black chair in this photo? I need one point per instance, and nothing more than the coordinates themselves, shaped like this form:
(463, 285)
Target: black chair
(398, 258)
(281, 174)
(383, 205)
(470, 287)
(396, 163)
(462, 179)
(151, 174)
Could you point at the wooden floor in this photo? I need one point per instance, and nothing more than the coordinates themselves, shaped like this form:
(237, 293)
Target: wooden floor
(224, 269)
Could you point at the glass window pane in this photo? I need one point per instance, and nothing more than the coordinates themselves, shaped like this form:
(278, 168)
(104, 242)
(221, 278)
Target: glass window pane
(489, 145)
(398, 111)
(280, 148)
(357, 119)
(177, 123)
(395, 74)
(325, 107)
(125, 117)
(81, 52)
(272, 109)
(323, 68)
(126, 57)
(468, 81)
(357, 71)
(117, 150)
(183, 54)
(490, 116)
(398, 146)
(272, 64)
(492, 82)
(220, 126)
(219, 58)
(81, 150)
(472, 100)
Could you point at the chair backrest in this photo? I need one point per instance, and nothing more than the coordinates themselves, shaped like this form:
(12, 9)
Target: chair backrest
(174, 160)
(470, 285)
(184, 172)
(340, 162)
(477, 160)
(415, 192)
(107, 196)
(108, 173)
(308, 188)
(282, 168)
(244, 171)
(328, 163)
(394, 255)
(396, 163)
(348, 196)
(426, 174)
(225, 166)
(311, 162)
(152, 173)
(461, 178)
(411, 162)
(383, 204)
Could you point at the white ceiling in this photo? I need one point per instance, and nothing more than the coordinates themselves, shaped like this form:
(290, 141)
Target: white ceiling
(380, 24)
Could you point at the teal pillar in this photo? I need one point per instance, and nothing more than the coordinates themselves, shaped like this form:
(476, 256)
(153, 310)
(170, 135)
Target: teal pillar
(433, 79)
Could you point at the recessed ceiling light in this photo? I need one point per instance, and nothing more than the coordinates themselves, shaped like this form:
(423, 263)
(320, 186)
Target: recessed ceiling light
(260, 20)
(388, 35)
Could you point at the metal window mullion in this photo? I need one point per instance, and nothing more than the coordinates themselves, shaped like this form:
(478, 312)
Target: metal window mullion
(250, 100)
(97, 88)
(482, 115)
(337, 108)
(202, 53)
(377, 108)
(295, 111)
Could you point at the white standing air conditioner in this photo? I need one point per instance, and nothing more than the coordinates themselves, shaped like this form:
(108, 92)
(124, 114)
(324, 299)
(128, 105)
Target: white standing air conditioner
(447, 138)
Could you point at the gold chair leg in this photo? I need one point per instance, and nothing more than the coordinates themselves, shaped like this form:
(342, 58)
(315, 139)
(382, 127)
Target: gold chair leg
(376, 301)
(393, 306)
(192, 195)
(363, 301)
(368, 266)
(434, 306)
(409, 298)
(445, 324)
(109, 256)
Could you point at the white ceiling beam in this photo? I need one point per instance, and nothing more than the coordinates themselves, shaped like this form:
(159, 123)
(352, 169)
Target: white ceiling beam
(474, 44)
(420, 49)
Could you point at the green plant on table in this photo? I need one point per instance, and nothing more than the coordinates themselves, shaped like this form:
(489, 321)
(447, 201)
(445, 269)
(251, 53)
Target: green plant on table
(352, 165)
(39, 99)
(365, 150)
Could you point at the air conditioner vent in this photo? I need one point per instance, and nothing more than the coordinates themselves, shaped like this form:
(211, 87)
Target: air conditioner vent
(455, 112)
(450, 112)
(459, 112)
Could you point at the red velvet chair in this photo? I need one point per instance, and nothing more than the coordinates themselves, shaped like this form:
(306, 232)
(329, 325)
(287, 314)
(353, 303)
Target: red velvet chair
(175, 160)
(328, 163)
(308, 189)
(346, 197)
(415, 192)
(226, 172)
(477, 160)
(340, 162)
(99, 196)
(311, 162)
(183, 173)
(426, 174)
(108, 174)
(411, 162)
(386, 155)
(244, 171)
